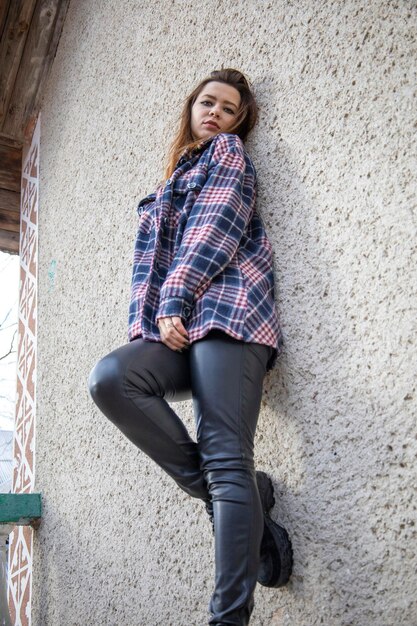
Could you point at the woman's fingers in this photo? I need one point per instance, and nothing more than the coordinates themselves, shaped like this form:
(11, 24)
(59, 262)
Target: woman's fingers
(173, 333)
(178, 325)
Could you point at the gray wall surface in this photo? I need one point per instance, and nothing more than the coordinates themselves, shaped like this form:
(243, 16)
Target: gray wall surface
(119, 543)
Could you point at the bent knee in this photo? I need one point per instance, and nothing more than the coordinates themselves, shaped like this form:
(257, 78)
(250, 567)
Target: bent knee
(104, 378)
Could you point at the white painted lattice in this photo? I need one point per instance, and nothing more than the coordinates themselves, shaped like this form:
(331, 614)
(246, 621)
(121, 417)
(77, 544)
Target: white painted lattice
(20, 552)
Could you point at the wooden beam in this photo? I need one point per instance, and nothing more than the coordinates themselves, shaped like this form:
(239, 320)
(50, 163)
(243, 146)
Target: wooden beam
(10, 168)
(9, 220)
(12, 44)
(4, 9)
(9, 201)
(20, 508)
(38, 55)
(33, 108)
(6, 140)
(9, 242)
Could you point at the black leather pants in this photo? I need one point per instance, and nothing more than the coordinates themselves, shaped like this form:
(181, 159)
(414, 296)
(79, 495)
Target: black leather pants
(132, 385)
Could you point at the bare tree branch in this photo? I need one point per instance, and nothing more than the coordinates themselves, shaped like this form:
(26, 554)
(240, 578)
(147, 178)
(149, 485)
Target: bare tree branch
(11, 351)
(6, 264)
(7, 315)
(7, 327)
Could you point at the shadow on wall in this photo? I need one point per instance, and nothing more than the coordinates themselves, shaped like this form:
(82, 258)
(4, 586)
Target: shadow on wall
(324, 430)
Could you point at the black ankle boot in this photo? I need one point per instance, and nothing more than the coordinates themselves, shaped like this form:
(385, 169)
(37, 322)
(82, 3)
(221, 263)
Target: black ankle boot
(276, 551)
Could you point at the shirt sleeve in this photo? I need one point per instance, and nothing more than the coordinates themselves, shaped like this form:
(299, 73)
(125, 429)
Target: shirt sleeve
(214, 228)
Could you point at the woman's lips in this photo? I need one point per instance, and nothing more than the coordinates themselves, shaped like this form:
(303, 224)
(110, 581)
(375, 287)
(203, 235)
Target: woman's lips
(210, 123)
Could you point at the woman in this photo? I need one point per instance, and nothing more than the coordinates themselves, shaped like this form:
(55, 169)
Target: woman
(202, 324)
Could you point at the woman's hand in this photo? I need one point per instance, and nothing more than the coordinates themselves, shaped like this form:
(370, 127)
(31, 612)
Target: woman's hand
(173, 333)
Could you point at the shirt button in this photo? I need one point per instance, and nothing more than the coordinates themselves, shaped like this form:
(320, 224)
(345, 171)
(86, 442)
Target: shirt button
(187, 311)
(166, 220)
(168, 181)
(191, 185)
(157, 265)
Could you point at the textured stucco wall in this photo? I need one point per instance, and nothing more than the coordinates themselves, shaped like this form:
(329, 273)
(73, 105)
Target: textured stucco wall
(118, 544)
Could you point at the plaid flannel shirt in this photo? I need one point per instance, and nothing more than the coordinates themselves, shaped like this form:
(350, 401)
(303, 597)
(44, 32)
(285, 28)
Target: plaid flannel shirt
(201, 251)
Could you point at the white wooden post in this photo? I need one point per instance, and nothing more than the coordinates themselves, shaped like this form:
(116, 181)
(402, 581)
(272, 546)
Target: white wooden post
(5, 530)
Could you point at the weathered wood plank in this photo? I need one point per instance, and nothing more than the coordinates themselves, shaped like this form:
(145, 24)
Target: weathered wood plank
(9, 242)
(9, 220)
(6, 140)
(10, 168)
(4, 8)
(12, 45)
(33, 108)
(42, 41)
(9, 201)
(20, 508)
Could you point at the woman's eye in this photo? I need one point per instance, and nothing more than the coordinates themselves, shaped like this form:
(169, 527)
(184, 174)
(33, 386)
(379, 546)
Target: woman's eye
(207, 103)
(227, 110)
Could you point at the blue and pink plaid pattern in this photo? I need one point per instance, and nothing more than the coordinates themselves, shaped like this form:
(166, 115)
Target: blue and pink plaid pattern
(202, 253)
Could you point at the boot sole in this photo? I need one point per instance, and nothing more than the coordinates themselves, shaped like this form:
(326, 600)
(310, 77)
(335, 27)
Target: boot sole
(276, 555)
(266, 491)
(276, 550)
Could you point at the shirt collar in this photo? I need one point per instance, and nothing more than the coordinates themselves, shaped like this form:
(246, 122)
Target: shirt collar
(188, 154)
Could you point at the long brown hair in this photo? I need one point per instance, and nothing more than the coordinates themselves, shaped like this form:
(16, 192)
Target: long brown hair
(245, 119)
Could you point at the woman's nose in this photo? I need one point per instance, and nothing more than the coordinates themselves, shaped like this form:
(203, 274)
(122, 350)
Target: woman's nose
(214, 111)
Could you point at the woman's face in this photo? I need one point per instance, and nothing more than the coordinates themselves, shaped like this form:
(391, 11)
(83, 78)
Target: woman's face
(214, 110)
